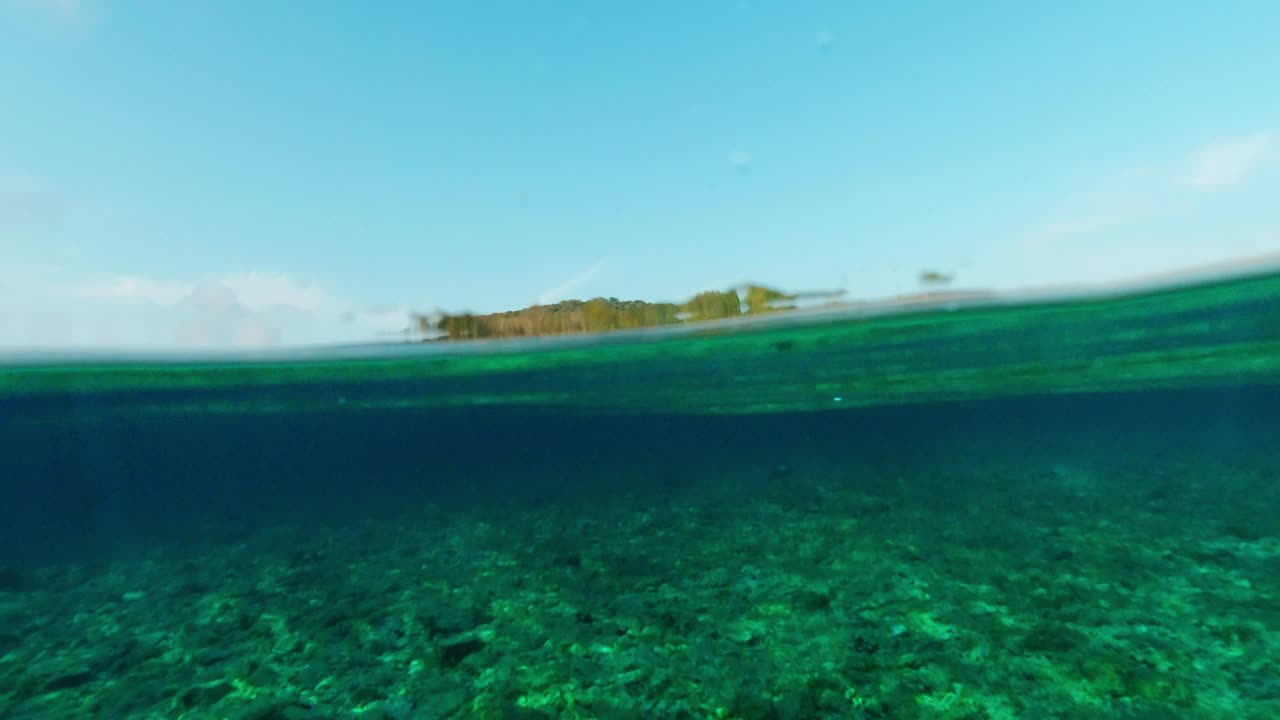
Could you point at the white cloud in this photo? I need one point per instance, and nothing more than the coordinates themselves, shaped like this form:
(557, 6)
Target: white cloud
(212, 316)
(123, 289)
(1230, 163)
(558, 293)
(48, 306)
(254, 289)
(1147, 219)
(260, 290)
(1151, 193)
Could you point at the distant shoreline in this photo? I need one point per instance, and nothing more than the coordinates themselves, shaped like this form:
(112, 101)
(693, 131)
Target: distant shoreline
(1218, 272)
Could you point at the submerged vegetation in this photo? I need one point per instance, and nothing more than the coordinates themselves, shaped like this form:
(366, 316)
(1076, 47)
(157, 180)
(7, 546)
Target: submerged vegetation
(1087, 564)
(604, 314)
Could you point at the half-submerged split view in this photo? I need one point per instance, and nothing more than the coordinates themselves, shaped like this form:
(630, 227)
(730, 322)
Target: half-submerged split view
(1059, 508)
(714, 360)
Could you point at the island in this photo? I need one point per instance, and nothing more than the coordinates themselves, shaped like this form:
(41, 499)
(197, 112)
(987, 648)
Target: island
(603, 314)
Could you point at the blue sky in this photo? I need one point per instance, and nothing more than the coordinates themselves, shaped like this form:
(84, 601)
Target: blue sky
(243, 173)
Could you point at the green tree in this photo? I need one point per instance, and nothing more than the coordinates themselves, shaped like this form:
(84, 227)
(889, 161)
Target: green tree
(713, 305)
(598, 315)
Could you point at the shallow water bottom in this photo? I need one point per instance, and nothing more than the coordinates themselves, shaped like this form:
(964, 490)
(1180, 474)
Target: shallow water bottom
(984, 562)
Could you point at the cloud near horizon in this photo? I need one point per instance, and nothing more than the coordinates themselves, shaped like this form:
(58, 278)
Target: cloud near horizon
(250, 309)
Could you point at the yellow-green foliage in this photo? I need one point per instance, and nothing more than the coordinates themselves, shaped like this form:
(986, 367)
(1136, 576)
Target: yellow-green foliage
(713, 305)
(602, 314)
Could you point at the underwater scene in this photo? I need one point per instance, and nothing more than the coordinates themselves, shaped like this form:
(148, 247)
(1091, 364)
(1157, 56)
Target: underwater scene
(967, 508)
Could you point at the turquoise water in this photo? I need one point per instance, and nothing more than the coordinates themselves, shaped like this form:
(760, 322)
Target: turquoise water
(1065, 508)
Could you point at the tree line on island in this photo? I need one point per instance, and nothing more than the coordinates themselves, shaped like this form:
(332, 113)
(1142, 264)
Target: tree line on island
(603, 314)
